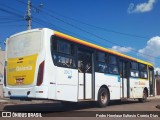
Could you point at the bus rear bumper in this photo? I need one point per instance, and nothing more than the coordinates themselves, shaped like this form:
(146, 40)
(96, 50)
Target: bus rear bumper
(37, 92)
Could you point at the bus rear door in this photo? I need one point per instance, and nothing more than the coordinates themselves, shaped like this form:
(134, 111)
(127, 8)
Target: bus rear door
(124, 77)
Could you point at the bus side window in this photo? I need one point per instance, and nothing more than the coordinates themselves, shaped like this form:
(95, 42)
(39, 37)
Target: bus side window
(64, 61)
(62, 52)
(134, 69)
(80, 66)
(101, 67)
(88, 68)
(101, 62)
(63, 47)
(113, 65)
(143, 71)
(113, 69)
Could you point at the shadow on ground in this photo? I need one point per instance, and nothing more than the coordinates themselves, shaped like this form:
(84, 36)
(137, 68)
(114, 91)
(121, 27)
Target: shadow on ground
(58, 107)
(158, 106)
(60, 110)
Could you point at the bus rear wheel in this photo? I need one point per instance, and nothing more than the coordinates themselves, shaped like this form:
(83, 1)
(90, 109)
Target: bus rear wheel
(144, 99)
(103, 97)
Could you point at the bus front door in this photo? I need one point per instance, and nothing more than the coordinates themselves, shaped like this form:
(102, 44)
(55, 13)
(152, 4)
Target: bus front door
(124, 79)
(85, 74)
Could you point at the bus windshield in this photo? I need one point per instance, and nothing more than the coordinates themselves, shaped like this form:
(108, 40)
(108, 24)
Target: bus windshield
(24, 44)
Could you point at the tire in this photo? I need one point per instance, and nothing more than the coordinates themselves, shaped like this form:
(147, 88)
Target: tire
(103, 97)
(144, 99)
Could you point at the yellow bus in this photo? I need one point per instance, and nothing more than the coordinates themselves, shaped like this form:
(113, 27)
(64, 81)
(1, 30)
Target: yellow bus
(47, 64)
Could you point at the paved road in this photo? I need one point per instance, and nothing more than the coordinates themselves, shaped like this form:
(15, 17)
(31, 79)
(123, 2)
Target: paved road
(85, 108)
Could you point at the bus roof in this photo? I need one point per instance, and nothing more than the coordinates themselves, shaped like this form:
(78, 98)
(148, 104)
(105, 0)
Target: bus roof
(82, 42)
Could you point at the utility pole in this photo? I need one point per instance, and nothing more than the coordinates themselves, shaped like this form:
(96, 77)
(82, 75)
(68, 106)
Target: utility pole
(28, 16)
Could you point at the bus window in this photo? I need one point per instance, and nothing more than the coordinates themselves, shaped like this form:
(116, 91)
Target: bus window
(63, 47)
(113, 67)
(112, 60)
(134, 69)
(84, 64)
(80, 66)
(62, 52)
(101, 56)
(143, 71)
(24, 45)
(101, 65)
(63, 61)
(123, 69)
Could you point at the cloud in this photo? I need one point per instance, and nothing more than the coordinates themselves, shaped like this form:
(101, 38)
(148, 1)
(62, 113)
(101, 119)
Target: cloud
(122, 49)
(142, 7)
(151, 50)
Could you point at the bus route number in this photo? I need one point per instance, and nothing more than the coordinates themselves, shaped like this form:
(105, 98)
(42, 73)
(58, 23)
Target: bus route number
(68, 73)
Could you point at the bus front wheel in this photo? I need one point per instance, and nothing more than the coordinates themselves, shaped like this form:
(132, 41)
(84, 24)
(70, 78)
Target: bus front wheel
(103, 97)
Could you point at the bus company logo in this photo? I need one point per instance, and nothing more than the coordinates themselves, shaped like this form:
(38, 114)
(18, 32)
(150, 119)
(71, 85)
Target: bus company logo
(142, 83)
(23, 68)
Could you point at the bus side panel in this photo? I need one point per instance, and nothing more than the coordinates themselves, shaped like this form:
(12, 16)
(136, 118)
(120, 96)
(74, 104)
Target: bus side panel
(137, 86)
(123, 88)
(111, 81)
(81, 86)
(50, 68)
(67, 84)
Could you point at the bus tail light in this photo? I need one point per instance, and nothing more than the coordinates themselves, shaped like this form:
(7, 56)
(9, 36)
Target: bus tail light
(40, 74)
(4, 77)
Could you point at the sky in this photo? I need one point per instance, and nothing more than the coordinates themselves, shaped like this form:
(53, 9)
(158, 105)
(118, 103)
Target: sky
(128, 26)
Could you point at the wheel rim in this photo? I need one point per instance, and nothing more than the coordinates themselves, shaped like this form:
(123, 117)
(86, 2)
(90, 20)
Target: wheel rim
(104, 97)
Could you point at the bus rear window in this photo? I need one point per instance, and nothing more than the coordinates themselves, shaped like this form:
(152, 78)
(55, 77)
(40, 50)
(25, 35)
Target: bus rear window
(24, 45)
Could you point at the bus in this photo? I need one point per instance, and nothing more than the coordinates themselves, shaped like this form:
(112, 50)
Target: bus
(47, 64)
